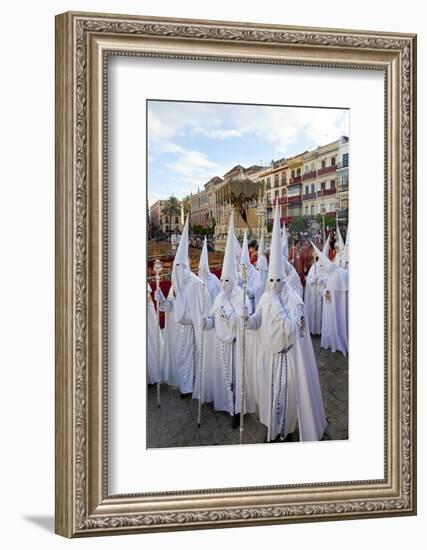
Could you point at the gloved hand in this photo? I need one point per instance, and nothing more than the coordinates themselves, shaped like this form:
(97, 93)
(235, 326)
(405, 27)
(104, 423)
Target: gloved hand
(244, 313)
(250, 292)
(159, 296)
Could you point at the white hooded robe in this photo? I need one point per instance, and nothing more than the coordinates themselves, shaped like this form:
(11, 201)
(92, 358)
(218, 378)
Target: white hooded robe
(183, 332)
(226, 369)
(288, 381)
(335, 311)
(152, 342)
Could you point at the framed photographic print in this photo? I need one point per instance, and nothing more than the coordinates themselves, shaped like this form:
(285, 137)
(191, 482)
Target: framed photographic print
(227, 352)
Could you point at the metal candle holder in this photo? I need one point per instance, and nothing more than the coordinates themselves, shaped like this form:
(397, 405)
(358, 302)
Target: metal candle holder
(242, 369)
(202, 345)
(158, 266)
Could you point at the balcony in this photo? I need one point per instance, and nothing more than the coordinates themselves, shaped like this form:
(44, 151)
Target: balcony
(327, 170)
(309, 196)
(326, 192)
(296, 199)
(296, 179)
(342, 165)
(309, 175)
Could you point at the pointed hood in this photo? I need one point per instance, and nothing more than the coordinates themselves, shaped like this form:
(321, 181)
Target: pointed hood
(261, 263)
(244, 257)
(346, 254)
(327, 246)
(229, 267)
(324, 261)
(181, 256)
(285, 240)
(340, 239)
(276, 267)
(237, 247)
(204, 259)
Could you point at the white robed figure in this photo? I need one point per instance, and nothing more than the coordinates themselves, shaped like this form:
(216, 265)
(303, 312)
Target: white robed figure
(211, 280)
(346, 255)
(225, 319)
(289, 391)
(262, 264)
(335, 306)
(183, 324)
(254, 282)
(314, 286)
(293, 278)
(152, 339)
(339, 248)
(175, 238)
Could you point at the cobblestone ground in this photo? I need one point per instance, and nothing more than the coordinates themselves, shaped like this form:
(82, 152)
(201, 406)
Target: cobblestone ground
(174, 424)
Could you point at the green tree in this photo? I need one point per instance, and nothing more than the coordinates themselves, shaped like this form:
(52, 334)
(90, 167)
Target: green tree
(329, 220)
(299, 224)
(171, 207)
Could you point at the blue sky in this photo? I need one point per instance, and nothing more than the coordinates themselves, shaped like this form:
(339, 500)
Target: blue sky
(190, 143)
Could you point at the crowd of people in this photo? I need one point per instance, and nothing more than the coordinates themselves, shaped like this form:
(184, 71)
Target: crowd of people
(253, 326)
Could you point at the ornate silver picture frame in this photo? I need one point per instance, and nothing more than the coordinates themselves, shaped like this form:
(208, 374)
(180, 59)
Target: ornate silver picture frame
(84, 42)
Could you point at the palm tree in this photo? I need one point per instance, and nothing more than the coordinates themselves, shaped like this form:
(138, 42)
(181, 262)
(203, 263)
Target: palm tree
(186, 204)
(171, 207)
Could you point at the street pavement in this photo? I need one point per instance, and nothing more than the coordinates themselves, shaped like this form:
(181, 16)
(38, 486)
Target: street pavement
(174, 424)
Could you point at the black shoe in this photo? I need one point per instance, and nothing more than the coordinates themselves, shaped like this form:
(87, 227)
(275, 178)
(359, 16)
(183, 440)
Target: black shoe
(235, 421)
(185, 395)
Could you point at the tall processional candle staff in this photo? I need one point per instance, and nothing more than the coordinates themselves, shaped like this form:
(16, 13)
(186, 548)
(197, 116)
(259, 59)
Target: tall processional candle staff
(202, 346)
(157, 269)
(243, 357)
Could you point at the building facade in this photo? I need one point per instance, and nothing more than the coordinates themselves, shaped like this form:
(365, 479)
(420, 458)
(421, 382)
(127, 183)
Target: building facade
(311, 183)
(342, 181)
(164, 223)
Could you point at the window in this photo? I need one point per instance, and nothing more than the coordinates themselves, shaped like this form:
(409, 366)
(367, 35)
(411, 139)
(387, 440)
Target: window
(268, 183)
(312, 168)
(333, 161)
(276, 194)
(306, 210)
(306, 189)
(323, 185)
(276, 180)
(313, 187)
(332, 184)
(312, 209)
(176, 219)
(293, 174)
(345, 159)
(298, 171)
(283, 178)
(306, 169)
(283, 192)
(323, 163)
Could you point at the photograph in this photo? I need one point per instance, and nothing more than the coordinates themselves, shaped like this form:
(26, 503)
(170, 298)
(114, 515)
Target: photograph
(248, 263)
(235, 323)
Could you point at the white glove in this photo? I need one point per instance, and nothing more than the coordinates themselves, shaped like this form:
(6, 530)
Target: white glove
(159, 296)
(245, 313)
(205, 322)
